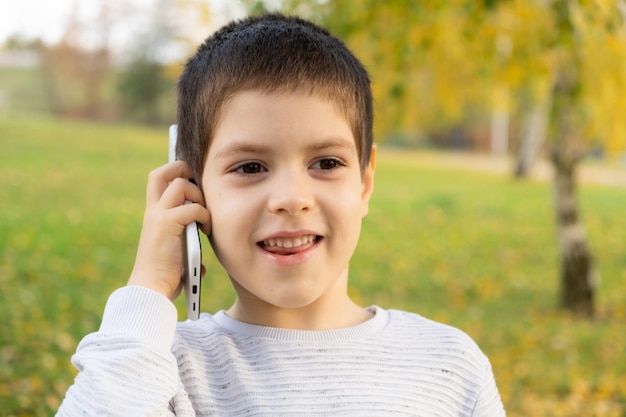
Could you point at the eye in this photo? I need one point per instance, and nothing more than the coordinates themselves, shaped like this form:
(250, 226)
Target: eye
(328, 163)
(250, 168)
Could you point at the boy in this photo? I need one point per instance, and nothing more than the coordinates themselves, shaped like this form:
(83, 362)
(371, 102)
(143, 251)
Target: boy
(275, 121)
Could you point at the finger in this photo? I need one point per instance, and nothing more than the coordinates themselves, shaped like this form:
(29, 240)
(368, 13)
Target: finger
(160, 178)
(180, 191)
(206, 227)
(189, 213)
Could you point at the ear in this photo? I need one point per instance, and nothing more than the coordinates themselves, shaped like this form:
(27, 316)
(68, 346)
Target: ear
(367, 179)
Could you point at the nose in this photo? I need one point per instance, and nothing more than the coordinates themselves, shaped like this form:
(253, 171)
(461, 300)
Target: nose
(291, 192)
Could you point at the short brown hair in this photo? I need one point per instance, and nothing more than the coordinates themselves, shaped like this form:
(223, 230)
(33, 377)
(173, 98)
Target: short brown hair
(271, 52)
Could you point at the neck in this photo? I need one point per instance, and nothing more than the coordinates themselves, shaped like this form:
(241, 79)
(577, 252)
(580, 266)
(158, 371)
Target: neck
(319, 315)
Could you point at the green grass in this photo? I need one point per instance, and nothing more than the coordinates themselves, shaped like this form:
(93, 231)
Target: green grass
(477, 251)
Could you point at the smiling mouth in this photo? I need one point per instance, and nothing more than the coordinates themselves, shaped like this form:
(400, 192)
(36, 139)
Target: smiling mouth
(288, 245)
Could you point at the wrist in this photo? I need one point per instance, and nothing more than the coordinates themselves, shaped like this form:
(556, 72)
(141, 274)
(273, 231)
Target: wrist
(149, 281)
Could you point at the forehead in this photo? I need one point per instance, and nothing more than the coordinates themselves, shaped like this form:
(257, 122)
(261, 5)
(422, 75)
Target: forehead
(255, 115)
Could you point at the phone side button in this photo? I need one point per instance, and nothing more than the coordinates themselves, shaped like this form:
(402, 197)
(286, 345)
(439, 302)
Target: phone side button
(194, 289)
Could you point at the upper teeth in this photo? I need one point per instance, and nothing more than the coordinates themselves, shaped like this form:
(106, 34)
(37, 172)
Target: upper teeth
(284, 242)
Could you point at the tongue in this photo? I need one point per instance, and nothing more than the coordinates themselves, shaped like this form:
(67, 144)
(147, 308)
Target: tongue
(281, 251)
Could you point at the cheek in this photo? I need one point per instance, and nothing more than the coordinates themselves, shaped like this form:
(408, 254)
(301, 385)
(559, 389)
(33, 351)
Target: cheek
(224, 226)
(222, 210)
(349, 198)
(231, 214)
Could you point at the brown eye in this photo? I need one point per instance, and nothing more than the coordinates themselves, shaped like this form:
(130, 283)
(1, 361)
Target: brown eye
(250, 168)
(327, 163)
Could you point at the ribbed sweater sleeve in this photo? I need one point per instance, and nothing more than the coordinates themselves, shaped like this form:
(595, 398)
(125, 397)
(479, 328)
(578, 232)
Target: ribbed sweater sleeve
(127, 368)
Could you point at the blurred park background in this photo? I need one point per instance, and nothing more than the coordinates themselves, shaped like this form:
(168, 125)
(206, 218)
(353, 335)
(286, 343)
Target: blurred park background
(500, 195)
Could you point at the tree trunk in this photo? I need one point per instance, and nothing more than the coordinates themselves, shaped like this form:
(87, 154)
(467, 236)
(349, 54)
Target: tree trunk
(577, 280)
(577, 269)
(532, 138)
(499, 132)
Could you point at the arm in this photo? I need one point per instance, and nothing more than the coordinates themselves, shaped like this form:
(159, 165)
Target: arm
(126, 368)
(488, 402)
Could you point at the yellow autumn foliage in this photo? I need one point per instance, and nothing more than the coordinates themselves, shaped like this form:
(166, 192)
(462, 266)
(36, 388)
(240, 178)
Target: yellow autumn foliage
(437, 64)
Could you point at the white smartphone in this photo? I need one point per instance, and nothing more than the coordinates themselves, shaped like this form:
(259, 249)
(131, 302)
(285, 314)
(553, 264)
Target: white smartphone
(192, 250)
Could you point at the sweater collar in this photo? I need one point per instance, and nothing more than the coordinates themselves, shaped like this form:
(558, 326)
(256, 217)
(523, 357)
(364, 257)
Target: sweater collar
(357, 332)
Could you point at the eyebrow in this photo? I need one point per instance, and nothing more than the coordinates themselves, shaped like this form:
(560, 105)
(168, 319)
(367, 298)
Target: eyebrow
(333, 142)
(237, 147)
(250, 148)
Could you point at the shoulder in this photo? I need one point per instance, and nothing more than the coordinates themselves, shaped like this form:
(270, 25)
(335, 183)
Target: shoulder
(423, 336)
(414, 326)
(444, 356)
(197, 342)
(197, 331)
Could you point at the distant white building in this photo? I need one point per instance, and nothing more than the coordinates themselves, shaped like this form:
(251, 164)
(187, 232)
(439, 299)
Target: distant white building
(10, 58)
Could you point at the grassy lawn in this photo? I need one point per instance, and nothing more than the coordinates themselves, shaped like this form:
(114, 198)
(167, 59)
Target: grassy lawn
(475, 250)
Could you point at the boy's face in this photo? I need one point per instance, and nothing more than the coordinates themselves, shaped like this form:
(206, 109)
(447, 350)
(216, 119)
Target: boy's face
(285, 191)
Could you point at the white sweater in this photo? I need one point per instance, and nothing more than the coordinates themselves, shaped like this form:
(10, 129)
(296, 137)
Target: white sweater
(141, 363)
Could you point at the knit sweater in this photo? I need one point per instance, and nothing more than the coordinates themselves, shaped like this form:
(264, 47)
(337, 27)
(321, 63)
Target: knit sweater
(142, 363)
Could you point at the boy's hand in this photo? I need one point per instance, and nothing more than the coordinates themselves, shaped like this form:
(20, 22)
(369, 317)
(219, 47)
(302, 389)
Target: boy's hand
(158, 264)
